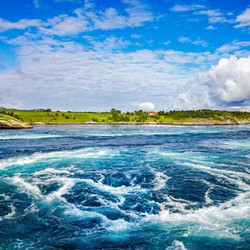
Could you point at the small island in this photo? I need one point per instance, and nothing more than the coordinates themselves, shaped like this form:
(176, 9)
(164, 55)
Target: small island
(24, 119)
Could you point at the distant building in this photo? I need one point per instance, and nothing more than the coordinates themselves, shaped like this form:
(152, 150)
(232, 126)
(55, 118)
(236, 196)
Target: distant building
(152, 113)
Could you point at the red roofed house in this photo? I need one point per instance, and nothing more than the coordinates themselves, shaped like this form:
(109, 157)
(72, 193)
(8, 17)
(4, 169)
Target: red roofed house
(152, 113)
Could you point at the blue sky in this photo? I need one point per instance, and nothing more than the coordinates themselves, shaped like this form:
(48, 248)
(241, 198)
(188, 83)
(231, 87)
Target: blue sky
(95, 55)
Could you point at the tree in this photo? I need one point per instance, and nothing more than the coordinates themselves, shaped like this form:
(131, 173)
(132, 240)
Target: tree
(115, 114)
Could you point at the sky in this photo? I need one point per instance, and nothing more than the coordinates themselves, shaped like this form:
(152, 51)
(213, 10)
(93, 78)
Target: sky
(94, 55)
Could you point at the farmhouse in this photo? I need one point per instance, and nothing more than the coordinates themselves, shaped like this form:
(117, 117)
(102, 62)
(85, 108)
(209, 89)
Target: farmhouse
(152, 113)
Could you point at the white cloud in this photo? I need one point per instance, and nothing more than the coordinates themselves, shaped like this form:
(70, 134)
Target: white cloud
(136, 14)
(229, 80)
(85, 19)
(146, 106)
(48, 72)
(194, 42)
(65, 25)
(21, 24)
(109, 43)
(184, 8)
(238, 48)
(214, 16)
(136, 36)
(189, 100)
(211, 27)
(243, 19)
(66, 74)
(89, 18)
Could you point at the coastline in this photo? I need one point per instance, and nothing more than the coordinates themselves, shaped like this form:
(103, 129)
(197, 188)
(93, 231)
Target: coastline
(121, 124)
(21, 119)
(145, 123)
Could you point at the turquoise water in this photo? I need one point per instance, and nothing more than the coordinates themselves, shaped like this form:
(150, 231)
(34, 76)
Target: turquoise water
(125, 187)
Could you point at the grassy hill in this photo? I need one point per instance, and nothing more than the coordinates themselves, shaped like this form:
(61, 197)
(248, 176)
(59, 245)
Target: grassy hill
(115, 116)
(10, 122)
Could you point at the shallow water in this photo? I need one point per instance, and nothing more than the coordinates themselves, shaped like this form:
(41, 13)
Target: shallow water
(125, 187)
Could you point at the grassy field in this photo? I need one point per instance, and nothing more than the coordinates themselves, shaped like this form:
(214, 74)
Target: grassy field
(115, 116)
(61, 117)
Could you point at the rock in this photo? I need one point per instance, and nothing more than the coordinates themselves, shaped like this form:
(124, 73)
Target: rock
(8, 122)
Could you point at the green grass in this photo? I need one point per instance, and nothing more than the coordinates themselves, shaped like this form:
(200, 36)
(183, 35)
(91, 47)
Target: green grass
(178, 117)
(6, 118)
(61, 117)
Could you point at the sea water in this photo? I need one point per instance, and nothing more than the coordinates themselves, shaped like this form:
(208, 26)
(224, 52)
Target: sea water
(125, 187)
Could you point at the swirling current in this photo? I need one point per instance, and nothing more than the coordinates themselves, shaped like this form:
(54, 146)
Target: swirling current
(125, 187)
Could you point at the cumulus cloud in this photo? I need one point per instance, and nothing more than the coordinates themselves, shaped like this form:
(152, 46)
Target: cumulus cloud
(229, 80)
(146, 106)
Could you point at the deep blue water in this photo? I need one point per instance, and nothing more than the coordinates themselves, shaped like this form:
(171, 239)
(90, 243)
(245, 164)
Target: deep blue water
(125, 187)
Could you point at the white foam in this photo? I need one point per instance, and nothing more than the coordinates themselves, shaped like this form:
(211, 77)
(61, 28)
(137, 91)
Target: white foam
(234, 144)
(114, 190)
(51, 171)
(214, 220)
(10, 215)
(68, 183)
(160, 180)
(28, 187)
(54, 156)
(177, 245)
(32, 189)
(112, 225)
(28, 136)
(116, 225)
(206, 197)
(231, 176)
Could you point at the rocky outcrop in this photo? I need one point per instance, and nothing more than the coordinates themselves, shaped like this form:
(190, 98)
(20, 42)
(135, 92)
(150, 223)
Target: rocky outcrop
(8, 122)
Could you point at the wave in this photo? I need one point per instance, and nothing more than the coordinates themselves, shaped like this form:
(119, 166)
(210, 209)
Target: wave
(55, 156)
(32, 189)
(213, 220)
(176, 245)
(28, 136)
(11, 214)
(232, 176)
(205, 163)
(110, 225)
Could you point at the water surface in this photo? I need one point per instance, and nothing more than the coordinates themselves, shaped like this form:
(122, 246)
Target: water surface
(125, 187)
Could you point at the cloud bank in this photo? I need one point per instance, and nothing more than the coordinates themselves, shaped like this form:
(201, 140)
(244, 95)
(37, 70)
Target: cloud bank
(229, 80)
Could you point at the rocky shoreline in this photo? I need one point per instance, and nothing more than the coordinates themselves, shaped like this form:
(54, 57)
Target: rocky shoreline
(13, 124)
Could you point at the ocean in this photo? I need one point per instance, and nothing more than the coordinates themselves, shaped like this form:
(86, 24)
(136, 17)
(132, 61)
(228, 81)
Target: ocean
(125, 187)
